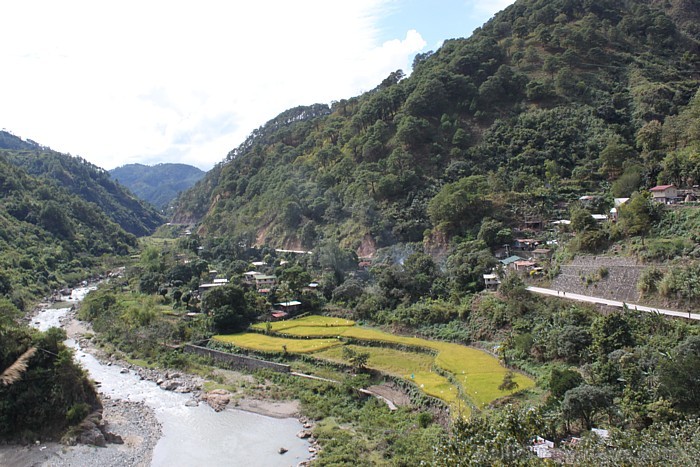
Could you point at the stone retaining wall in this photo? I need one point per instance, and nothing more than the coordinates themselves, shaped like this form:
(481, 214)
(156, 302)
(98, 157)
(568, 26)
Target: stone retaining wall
(236, 361)
(620, 283)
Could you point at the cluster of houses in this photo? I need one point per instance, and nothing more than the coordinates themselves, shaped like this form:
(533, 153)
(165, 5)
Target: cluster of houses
(524, 255)
(664, 194)
(545, 449)
(263, 284)
(527, 255)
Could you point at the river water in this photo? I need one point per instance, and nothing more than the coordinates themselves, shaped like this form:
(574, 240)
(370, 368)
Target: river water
(192, 436)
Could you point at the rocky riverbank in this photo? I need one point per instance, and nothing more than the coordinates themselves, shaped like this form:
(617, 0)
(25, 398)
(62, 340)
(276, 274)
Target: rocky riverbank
(134, 422)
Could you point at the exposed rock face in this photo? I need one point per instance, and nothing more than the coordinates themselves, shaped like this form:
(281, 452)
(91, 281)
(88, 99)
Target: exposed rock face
(437, 244)
(92, 436)
(367, 248)
(93, 432)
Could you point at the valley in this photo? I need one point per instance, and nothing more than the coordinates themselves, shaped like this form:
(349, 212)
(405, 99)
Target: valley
(460, 266)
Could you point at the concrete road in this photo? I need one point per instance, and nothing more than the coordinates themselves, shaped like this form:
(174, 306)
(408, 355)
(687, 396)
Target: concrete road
(614, 303)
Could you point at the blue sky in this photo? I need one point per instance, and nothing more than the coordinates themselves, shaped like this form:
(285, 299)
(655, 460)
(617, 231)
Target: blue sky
(184, 81)
(437, 20)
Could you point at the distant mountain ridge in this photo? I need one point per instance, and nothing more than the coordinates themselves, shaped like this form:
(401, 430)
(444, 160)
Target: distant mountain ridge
(79, 177)
(159, 184)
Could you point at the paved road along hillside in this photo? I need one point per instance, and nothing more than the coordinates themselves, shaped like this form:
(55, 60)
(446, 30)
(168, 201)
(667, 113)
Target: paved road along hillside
(605, 301)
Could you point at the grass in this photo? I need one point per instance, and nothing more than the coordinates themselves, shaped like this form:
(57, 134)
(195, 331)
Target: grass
(263, 343)
(140, 362)
(478, 373)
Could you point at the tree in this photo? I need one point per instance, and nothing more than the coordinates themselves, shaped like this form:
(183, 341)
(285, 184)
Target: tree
(358, 360)
(629, 181)
(585, 402)
(571, 342)
(54, 219)
(229, 308)
(460, 205)
(582, 221)
(561, 381)
(637, 215)
(489, 232)
(679, 375)
(149, 282)
(467, 265)
(611, 332)
(296, 276)
(5, 283)
(508, 383)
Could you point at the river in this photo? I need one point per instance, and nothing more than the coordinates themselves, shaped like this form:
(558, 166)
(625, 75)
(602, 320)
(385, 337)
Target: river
(192, 436)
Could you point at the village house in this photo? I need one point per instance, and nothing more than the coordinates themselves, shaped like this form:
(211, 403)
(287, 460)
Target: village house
(666, 194)
(524, 265)
(542, 253)
(263, 282)
(491, 281)
(615, 211)
(278, 315)
(249, 277)
(288, 307)
(205, 287)
(526, 244)
(509, 261)
(587, 200)
(544, 449)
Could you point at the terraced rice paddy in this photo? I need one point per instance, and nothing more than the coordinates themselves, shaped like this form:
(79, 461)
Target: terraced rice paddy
(476, 373)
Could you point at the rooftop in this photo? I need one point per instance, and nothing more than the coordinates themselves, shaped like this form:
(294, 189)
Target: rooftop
(662, 187)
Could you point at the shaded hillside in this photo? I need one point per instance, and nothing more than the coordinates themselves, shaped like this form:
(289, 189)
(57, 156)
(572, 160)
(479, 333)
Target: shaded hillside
(83, 179)
(547, 101)
(159, 184)
(49, 237)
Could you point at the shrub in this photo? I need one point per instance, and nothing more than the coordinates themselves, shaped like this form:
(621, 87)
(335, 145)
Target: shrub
(77, 413)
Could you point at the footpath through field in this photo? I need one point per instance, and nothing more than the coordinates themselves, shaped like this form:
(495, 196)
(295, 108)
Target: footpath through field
(614, 303)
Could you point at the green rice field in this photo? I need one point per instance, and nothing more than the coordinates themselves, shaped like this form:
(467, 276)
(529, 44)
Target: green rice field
(478, 373)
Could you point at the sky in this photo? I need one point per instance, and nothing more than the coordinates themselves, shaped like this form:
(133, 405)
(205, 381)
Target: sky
(182, 81)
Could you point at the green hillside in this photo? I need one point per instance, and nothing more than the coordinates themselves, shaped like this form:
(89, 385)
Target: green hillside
(547, 101)
(87, 181)
(49, 237)
(159, 184)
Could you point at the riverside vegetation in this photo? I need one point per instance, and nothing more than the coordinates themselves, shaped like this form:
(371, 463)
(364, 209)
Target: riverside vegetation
(429, 175)
(629, 370)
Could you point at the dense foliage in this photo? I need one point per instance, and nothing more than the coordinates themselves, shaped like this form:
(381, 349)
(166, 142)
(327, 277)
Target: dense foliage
(548, 101)
(159, 184)
(51, 394)
(75, 175)
(49, 237)
(54, 232)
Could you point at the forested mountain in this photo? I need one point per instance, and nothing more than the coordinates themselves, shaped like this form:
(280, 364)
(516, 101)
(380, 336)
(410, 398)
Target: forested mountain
(159, 184)
(547, 101)
(49, 236)
(59, 171)
(54, 232)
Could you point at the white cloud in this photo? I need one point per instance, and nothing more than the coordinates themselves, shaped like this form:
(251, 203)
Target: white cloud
(490, 6)
(156, 81)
